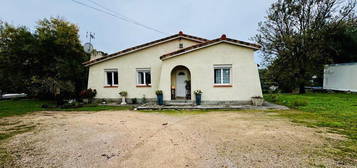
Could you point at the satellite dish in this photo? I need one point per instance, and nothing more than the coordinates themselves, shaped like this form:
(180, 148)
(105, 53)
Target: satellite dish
(88, 48)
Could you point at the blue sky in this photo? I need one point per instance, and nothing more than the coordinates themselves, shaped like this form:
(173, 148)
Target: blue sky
(205, 18)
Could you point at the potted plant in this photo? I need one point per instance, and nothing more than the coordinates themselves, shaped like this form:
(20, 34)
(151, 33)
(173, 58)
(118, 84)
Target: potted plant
(257, 100)
(160, 97)
(88, 95)
(123, 95)
(198, 94)
(188, 89)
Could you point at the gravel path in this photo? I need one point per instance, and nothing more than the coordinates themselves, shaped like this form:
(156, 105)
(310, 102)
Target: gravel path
(152, 140)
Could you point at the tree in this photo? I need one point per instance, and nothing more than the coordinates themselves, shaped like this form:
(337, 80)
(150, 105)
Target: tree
(17, 56)
(36, 63)
(62, 53)
(294, 37)
(341, 44)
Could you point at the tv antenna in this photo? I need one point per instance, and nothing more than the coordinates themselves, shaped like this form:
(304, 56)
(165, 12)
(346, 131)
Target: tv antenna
(91, 36)
(88, 47)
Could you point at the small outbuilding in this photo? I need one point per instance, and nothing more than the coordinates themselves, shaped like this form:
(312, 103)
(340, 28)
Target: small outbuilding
(340, 77)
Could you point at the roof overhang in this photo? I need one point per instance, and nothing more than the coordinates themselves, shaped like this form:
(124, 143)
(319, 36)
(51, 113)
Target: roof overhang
(144, 46)
(223, 39)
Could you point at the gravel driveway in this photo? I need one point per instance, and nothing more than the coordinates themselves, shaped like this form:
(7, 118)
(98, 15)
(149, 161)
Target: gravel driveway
(152, 140)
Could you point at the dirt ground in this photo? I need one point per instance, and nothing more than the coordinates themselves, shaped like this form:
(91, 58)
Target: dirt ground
(152, 140)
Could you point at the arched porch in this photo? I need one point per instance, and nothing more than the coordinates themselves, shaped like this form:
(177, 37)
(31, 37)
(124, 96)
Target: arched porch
(180, 83)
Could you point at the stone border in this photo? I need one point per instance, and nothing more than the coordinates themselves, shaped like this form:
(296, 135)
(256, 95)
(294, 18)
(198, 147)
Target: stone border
(266, 106)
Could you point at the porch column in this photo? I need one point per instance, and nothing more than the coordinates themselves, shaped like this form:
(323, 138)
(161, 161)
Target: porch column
(165, 81)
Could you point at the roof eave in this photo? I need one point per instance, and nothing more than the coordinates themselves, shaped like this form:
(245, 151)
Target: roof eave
(208, 45)
(174, 37)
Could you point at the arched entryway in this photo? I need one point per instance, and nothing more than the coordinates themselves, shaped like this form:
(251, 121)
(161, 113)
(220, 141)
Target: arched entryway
(180, 83)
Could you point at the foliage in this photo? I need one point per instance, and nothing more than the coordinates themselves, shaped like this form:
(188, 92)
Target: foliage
(135, 101)
(88, 93)
(144, 99)
(266, 80)
(50, 87)
(158, 92)
(44, 62)
(297, 32)
(123, 93)
(336, 111)
(198, 92)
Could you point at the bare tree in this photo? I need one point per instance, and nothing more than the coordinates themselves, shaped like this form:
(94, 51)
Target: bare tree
(293, 34)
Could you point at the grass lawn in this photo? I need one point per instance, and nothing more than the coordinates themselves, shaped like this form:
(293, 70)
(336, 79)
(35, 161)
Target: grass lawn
(337, 111)
(23, 106)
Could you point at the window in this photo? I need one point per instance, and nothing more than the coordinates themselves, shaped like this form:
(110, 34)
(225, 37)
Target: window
(180, 45)
(222, 75)
(144, 77)
(111, 77)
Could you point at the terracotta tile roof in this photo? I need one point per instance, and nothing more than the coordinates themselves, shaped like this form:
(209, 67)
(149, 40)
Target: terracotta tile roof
(223, 38)
(139, 47)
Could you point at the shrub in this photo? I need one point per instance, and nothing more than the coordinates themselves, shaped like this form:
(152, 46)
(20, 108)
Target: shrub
(144, 99)
(299, 102)
(135, 100)
(273, 98)
(123, 93)
(158, 92)
(88, 94)
(198, 92)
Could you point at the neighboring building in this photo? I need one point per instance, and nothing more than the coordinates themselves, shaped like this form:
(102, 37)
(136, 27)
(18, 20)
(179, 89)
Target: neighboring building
(223, 68)
(341, 77)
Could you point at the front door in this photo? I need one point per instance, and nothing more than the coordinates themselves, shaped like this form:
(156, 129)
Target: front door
(181, 77)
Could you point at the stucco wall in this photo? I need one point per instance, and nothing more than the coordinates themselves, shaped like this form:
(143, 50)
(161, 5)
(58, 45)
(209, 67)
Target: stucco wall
(341, 77)
(127, 65)
(245, 77)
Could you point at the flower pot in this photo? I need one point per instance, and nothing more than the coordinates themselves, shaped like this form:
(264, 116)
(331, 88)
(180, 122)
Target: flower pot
(123, 102)
(86, 101)
(198, 99)
(160, 99)
(257, 101)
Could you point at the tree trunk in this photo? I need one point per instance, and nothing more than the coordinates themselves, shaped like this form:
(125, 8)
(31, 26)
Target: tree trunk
(302, 88)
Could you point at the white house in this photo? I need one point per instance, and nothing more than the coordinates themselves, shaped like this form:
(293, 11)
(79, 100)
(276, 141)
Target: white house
(340, 77)
(223, 69)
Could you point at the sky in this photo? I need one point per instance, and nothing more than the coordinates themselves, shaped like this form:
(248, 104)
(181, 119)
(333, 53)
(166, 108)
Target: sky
(238, 19)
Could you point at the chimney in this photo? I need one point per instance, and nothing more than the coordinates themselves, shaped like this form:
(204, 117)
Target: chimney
(96, 55)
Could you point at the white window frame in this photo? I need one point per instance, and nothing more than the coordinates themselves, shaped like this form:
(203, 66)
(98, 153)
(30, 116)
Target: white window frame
(106, 79)
(221, 67)
(145, 70)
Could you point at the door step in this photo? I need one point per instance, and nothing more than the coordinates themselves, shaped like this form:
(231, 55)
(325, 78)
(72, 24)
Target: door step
(179, 103)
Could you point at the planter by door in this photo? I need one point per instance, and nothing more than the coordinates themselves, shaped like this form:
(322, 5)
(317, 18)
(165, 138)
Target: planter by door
(160, 100)
(198, 99)
(123, 100)
(257, 101)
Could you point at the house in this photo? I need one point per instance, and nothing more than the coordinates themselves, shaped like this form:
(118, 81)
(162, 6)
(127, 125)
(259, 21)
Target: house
(340, 77)
(223, 69)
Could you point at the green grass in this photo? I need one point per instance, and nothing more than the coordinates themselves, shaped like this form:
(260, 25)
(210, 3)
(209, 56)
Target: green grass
(19, 107)
(337, 111)
(24, 106)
